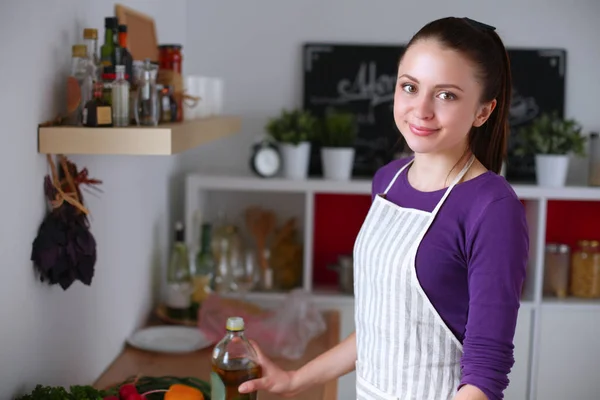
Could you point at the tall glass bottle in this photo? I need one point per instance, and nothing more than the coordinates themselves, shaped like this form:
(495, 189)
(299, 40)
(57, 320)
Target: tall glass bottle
(90, 37)
(234, 361)
(146, 101)
(179, 278)
(120, 98)
(75, 85)
(205, 270)
(125, 56)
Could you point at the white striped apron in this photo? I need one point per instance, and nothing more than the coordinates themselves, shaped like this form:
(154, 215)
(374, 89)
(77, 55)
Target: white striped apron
(404, 348)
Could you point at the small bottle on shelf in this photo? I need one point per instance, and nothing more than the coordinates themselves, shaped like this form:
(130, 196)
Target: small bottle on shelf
(179, 278)
(97, 112)
(120, 98)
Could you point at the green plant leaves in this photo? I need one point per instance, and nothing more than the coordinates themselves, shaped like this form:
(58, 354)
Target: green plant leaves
(550, 134)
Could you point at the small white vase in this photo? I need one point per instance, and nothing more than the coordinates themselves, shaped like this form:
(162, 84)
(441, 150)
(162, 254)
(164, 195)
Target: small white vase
(295, 159)
(551, 169)
(337, 163)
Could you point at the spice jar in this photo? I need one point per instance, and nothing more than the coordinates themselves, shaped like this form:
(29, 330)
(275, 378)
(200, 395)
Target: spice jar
(556, 270)
(585, 270)
(594, 179)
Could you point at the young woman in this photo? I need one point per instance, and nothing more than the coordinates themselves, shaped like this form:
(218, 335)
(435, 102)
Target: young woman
(440, 259)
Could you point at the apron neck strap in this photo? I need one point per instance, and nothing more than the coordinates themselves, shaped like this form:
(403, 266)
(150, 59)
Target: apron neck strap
(397, 175)
(458, 178)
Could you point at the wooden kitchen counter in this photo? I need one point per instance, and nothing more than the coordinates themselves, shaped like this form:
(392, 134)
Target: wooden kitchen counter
(133, 362)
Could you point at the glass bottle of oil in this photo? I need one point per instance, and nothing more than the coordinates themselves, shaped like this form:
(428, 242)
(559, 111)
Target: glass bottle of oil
(234, 361)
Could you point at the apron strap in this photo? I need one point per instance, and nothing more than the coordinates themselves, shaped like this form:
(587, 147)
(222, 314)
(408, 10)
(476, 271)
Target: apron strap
(458, 178)
(397, 175)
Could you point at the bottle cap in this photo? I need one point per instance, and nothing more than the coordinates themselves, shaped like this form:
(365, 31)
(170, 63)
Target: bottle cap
(79, 50)
(89, 33)
(235, 324)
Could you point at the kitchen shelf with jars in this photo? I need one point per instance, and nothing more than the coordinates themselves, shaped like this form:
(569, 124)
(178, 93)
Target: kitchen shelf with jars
(130, 98)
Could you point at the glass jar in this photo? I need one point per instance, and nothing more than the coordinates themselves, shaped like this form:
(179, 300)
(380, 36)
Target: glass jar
(147, 107)
(170, 57)
(556, 270)
(585, 270)
(594, 178)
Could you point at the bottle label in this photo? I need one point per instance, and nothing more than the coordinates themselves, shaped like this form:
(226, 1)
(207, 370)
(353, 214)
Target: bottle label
(104, 114)
(179, 295)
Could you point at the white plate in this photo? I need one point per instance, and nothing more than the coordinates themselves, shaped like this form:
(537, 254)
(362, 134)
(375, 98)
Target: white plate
(169, 339)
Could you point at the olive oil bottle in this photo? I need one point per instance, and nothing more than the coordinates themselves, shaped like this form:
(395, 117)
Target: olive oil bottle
(234, 361)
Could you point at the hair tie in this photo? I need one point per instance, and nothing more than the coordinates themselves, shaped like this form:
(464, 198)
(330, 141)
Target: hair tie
(479, 25)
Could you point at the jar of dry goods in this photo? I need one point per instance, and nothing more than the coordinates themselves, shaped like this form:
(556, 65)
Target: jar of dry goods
(556, 270)
(585, 270)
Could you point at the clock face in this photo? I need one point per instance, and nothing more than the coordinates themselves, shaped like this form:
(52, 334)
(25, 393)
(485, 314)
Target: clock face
(267, 161)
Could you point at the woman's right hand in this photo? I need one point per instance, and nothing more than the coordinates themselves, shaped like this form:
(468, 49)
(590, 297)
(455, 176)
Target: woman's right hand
(273, 380)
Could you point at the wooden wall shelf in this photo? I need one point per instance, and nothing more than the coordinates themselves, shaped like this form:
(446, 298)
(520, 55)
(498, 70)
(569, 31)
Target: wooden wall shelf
(164, 139)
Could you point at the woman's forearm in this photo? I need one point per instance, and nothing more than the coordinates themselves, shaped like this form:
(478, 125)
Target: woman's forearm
(330, 365)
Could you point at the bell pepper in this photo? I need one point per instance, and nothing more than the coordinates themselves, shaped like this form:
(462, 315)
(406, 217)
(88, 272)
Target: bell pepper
(183, 392)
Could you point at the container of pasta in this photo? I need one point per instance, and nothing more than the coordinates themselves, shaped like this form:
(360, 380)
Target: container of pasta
(585, 269)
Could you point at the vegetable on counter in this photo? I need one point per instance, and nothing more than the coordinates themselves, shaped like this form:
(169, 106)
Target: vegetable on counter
(140, 388)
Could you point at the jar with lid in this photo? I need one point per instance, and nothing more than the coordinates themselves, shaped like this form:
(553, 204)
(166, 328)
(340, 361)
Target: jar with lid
(585, 270)
(170, 57)
(556, 270)
(594, 179)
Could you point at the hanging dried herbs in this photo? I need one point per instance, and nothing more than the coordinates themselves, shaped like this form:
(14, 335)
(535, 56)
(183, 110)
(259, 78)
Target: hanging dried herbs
(65, 249)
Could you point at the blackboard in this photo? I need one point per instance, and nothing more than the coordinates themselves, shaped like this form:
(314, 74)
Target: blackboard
(361, 78)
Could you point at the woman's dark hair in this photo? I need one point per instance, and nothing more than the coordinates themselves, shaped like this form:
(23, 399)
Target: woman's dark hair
(482, 45)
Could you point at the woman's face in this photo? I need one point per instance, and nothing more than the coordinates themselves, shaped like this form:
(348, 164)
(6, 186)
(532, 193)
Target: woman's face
(437, 99)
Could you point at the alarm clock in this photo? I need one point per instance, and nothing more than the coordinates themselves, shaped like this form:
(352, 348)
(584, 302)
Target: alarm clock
(265, 160)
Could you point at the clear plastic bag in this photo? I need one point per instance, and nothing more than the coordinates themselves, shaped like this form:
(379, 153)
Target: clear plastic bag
(282, 332)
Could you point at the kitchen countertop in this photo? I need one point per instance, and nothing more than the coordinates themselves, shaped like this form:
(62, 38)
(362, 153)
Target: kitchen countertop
(133, 362)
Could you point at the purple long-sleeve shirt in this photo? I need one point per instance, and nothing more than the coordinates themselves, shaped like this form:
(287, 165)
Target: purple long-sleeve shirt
(471, 264)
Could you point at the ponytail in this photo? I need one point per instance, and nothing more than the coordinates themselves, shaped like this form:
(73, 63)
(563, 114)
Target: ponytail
(489, 142)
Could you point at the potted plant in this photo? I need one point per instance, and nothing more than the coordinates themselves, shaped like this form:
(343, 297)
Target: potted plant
(551, 140)
(337, 139)
(293, 131)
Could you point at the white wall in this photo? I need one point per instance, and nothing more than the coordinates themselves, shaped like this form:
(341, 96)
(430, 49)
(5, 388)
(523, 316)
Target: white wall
(46, 335)
(256, 47)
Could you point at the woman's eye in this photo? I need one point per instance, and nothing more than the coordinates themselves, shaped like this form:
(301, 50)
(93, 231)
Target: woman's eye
(409, 88)
(447, 96)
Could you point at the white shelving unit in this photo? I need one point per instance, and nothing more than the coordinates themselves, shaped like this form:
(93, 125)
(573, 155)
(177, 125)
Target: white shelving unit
(539, 372)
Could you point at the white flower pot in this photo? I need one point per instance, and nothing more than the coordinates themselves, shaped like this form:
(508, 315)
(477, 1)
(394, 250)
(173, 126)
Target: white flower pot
(295, 159)
(551, 169)
(337, 163)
